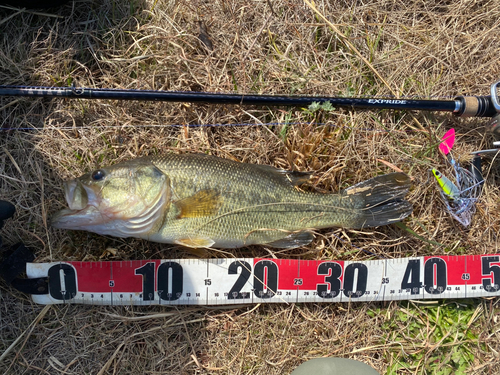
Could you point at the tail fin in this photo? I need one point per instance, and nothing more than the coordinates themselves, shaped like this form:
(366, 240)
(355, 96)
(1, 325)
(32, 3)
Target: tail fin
(380, 200)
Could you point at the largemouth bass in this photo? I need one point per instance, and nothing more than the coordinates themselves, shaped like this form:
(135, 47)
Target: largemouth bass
(198, 200)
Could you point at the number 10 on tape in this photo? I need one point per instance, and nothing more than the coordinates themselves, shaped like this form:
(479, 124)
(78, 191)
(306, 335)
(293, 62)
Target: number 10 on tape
(255, 280)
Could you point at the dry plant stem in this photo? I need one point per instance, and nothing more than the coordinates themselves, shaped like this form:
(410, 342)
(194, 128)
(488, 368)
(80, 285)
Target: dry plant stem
(29, 328)
(349, 44)
(355, 50)
(110, 361)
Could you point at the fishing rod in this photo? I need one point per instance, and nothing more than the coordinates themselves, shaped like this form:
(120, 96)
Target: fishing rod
(463, 106)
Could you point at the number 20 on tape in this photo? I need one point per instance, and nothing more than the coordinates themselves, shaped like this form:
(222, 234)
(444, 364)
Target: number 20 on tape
(255, 280)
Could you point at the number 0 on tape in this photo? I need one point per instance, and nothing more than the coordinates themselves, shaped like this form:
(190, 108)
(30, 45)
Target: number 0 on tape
(255, 280)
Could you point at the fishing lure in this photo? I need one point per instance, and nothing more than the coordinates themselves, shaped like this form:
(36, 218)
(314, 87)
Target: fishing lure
(459, 197)
(447, 142)
(449, 188)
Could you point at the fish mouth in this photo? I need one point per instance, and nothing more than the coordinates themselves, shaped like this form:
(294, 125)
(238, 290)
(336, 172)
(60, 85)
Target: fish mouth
(83, 207)
(76, 195)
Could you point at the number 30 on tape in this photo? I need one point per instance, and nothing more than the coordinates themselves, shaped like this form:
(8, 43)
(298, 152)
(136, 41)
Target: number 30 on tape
(254, 280)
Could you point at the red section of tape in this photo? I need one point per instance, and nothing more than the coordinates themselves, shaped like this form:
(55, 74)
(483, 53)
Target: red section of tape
(300, 274)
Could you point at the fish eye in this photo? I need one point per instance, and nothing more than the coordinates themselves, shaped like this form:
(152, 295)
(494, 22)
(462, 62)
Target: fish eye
(98, 175)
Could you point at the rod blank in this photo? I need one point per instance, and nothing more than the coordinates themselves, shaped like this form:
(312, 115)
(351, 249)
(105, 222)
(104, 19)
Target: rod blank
(461, 106)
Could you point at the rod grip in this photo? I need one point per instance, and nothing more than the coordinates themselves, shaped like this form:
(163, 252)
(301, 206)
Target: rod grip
(475, 106)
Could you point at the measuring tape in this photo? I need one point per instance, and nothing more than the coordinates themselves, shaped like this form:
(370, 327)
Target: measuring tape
(256, 280)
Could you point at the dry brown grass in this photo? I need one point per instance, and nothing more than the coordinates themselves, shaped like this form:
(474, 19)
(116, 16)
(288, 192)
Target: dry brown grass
(420, 48)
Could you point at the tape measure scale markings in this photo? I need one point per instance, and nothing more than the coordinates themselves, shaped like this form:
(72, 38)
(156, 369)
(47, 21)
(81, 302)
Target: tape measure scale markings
(257, 280)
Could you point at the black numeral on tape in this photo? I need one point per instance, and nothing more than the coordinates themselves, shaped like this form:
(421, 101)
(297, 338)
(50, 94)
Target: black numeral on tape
(333, 272)
(492, 271)
(62, 282)
(148, 281)
(235, 292)
(435, 276)
(170, 281)
(411, 278)
(360, 279)
(265, 279)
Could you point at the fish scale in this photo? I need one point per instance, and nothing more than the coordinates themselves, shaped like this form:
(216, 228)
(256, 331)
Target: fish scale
(256, 208)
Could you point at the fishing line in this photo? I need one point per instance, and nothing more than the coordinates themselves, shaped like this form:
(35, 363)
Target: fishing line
(463, 106)
(194, 126)
(218, 281)
(104, 127)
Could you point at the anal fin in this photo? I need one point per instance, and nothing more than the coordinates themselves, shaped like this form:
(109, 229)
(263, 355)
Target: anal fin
(293, 240)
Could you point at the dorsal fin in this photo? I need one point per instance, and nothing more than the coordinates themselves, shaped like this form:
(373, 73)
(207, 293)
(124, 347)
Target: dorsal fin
(293, 177)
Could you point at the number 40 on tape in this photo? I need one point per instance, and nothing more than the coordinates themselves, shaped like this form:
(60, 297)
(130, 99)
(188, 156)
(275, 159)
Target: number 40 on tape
(256, 280)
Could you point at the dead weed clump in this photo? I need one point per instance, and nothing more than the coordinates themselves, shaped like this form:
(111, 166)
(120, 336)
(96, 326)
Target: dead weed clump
(424, 49)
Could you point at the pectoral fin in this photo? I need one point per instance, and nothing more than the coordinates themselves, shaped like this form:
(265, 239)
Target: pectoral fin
(203, 203)
(195, 242)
